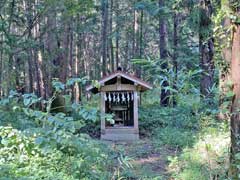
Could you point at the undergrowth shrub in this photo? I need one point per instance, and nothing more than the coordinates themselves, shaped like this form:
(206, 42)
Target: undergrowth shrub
(207, 159)
(91, 116)
(11, 114)
(53, 146)
(32, 155)
(151, 117)
(175, 137)
(175, 126)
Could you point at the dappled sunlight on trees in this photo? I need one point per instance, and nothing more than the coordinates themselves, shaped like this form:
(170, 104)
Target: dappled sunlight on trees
(187, 54)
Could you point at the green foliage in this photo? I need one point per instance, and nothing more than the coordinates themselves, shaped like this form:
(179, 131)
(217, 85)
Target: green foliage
(11, 112)
(184, 116)
(52, 146)
(47, 155)
(90, 115)
(58, 86)
(56, 34)
(207, 159)
(30, 99)
(169, 126)
(173, 137)
(72, 81)
(187, 80)
(190, 128)
(234, 4)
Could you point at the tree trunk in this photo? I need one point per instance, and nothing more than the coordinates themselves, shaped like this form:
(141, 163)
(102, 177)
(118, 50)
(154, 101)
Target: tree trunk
(29, 66)
(164, 100)
(235, 118)
(117, 35)
(224, 74)
(1, 66)
(135, 27)
(51, 50)
(141, 35)
(8, 66)
(175, 56)
(64, 58)
(76, 91)
(71, 44)
(140, 44)
(110, 39)
(206, 49)
(38, 62)
(104, 35)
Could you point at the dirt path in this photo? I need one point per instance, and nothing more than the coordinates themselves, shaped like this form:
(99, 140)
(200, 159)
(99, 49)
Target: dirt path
(148, 161)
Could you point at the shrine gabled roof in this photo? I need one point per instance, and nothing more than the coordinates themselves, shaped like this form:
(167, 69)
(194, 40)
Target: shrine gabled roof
(138, 81)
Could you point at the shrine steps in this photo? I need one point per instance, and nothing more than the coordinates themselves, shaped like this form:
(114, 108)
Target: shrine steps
(120, 134)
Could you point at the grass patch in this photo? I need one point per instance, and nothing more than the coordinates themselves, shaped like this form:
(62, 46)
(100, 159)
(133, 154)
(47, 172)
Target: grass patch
(207, 159)
(174, 137)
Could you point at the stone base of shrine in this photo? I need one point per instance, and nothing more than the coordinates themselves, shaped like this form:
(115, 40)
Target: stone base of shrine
(120, 134)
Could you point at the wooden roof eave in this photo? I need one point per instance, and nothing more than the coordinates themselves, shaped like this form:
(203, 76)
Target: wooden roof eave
(143, 85)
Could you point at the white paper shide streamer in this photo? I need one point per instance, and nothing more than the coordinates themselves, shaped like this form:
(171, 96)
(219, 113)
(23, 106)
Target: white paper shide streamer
(118, 97)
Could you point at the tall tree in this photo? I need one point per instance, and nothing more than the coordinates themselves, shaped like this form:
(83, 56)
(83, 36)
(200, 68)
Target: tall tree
(235, 77)
(223, 45)
(1, 64)
(164, 99)
(38, 57)
(140, 40)
(64, 57)
(51, 51)
(117, 34)
(175, 53)
(111, 35)
(104, 34)
(206, 48)
(29, 65)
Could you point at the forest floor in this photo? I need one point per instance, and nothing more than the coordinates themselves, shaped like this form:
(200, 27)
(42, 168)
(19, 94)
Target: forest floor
(147, 161)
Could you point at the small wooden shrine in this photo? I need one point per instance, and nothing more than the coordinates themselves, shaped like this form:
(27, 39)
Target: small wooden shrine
(119, 96)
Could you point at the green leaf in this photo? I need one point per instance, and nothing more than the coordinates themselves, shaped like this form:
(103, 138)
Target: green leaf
(230, 94)
(58, 86)
(39, 140)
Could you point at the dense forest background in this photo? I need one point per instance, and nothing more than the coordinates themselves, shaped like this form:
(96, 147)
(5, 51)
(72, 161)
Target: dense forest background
(43, 40)
(187, 49)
